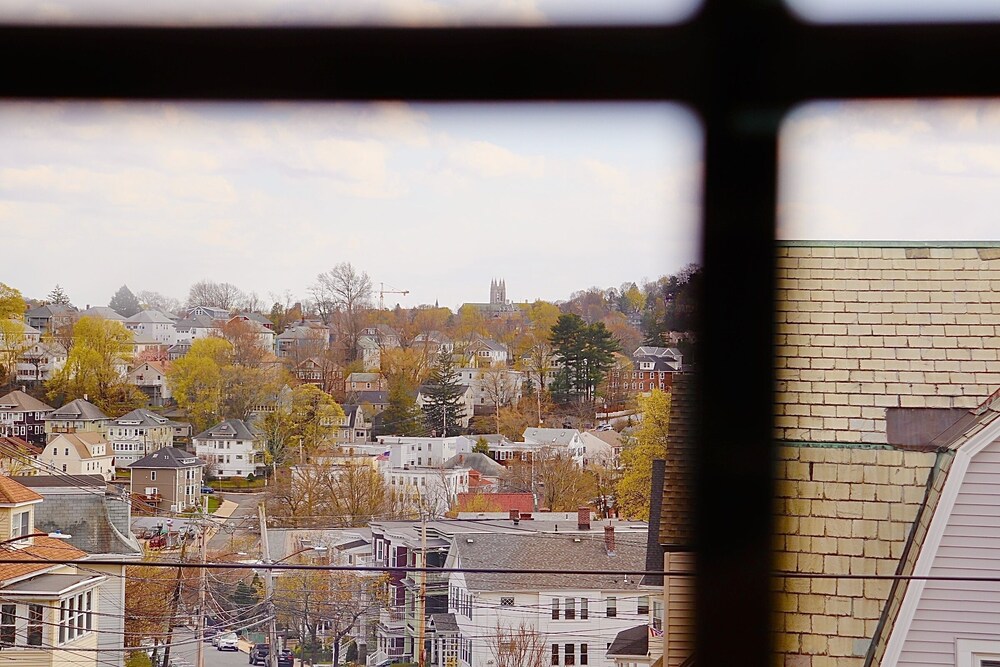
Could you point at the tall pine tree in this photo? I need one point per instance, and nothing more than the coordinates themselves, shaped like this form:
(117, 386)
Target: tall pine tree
(58, 296)
(443, 408)
(124, 302)
(585, 352)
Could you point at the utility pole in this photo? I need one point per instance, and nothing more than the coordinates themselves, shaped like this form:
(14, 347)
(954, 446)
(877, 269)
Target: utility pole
(201, 587)
(175, 600)
(422, 600)
(268, 588)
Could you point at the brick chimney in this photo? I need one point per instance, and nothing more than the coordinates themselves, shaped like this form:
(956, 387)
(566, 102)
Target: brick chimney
(583, 518)
(609, 539)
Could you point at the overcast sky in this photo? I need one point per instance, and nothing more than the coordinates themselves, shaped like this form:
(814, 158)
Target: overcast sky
(437, 200)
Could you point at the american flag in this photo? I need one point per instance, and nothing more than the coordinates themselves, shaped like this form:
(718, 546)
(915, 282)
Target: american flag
(384, 456)
(653, 632)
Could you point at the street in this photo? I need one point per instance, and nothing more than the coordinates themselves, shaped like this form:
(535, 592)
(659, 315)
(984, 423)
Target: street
(184, 653)
(243, 520)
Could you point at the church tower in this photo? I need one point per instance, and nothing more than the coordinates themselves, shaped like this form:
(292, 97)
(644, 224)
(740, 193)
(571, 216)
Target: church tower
(498, 292)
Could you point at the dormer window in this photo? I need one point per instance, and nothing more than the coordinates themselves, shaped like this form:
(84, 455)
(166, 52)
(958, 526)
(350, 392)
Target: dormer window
(20, 524)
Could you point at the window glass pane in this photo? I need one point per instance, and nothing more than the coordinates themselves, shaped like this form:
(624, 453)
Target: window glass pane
(350, 12)
(524, 190)
(894, 11)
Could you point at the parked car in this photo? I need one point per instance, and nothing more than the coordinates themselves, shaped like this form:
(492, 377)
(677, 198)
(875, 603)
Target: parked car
(227, 642)
(286, 658)
(209, 633)
(258, 654)
(207, 489)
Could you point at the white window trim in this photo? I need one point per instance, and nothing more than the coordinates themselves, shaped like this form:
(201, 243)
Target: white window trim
(971, 652)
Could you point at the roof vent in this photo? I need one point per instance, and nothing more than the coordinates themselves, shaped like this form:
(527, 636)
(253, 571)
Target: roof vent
(469, 540)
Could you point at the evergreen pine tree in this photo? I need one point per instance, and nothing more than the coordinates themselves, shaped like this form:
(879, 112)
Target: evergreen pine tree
(124, 302)
(57, 296)
(443, 408)
(401, 416)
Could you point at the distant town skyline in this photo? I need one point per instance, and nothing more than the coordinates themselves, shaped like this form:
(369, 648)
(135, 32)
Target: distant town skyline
(433, 199)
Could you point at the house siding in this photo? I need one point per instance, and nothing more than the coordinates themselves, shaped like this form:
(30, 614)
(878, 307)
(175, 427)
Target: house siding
(970, 546)
(678, 638)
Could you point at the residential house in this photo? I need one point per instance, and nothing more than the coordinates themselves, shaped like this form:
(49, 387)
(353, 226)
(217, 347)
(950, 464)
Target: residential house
(257, 318)
(151, 379)
(168, 478)
(20, 335)
(491, 384)
(302, 340)
(323, 373)
(152, 325)
(652, 368)
(40, 362)
(354, 426)
(80, 453)
(377, 401)
(193, 327)
(467, 400)
(17, 456)
(372, 340)
(138, 433)
(78, 416)
(211, 312)
(602, 448)
(433, 344)
(485, 353)
(231, 448)
(145, 348)
(557, 440)
(420, 468)
(488, 472)
(357, 382)
(102, 312)
(51, 318)
(23, 415)
(96, 521)
(51, 613)
(583, 613)
(264, 332)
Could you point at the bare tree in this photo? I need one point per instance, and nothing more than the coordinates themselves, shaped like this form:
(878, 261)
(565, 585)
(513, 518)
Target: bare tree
(500, 387)
(523, 646)
(345, 291)
(220, 295)
(156, 301)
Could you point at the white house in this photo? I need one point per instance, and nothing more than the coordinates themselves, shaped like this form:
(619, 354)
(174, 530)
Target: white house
(83, 453)
(151, 378)
(420, 467)
(491, 384)
(483, 352)
(558, 438)
(231, 448)
(154, 325)
(138, 433)
(572, 618)
(193, 327)
(40, 362)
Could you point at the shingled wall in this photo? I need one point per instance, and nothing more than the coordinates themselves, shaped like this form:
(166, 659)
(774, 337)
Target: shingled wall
(866, 326)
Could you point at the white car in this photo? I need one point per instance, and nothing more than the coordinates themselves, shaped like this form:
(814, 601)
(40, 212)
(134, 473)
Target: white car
(228, 642)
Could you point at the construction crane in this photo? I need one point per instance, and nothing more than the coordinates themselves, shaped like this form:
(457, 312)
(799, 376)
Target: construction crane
(383, 291)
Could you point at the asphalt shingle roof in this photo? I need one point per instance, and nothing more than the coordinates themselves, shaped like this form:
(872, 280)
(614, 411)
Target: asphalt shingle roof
(631, 642)
(78, 409)
(18, 401)
(230, 429)
(12, 493)
(168, 457)
(572, 551)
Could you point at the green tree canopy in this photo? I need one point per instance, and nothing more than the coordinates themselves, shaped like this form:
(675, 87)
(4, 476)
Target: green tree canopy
(585, 351)
(444, 408)
(401, 416)
(12, 305)
(124, 302)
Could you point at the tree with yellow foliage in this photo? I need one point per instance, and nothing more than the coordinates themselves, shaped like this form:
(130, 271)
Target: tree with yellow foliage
(648, 443)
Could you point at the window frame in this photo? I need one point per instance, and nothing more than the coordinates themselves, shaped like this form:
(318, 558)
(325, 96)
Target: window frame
(744, 64)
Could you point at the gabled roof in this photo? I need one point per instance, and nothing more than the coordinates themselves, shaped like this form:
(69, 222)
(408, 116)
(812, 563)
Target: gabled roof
(26, 329)
(104, 312)
(82, 442)
(489, 344)
(12, 493)
(149, 317)
(364, 377)
(230, 429)
(444, 622)
(651, 351)
(142, 417)
(168, 457)
(370, 396)
(256, 317)
(38, 555)
(196, 322)
(18, 401)
(478, 462)
(633, 642)
(50, 310)
(550, 436)
(80, 409)
(549, 551)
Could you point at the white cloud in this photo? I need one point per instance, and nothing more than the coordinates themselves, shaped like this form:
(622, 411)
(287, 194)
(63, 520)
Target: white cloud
(483, 158)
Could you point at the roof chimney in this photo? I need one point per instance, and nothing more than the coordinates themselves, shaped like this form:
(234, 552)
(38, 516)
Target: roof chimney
(609, 539)
(583, 518)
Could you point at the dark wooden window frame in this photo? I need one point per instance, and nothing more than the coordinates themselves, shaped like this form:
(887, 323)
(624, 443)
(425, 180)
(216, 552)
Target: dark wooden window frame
(740, 65)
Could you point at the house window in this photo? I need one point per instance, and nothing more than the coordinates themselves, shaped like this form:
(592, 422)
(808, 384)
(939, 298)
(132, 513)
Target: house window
(555, 612)
(612, 607)
(570, 609)
(570, 658)
(152, 476)
(555, 654)
(506, 602)
(643, 606)
(584, 612)
(21, 524)
(583, 654)
(8, 616)
(34, 636)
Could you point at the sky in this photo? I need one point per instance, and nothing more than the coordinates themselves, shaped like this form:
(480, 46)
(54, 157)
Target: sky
(434, 199)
